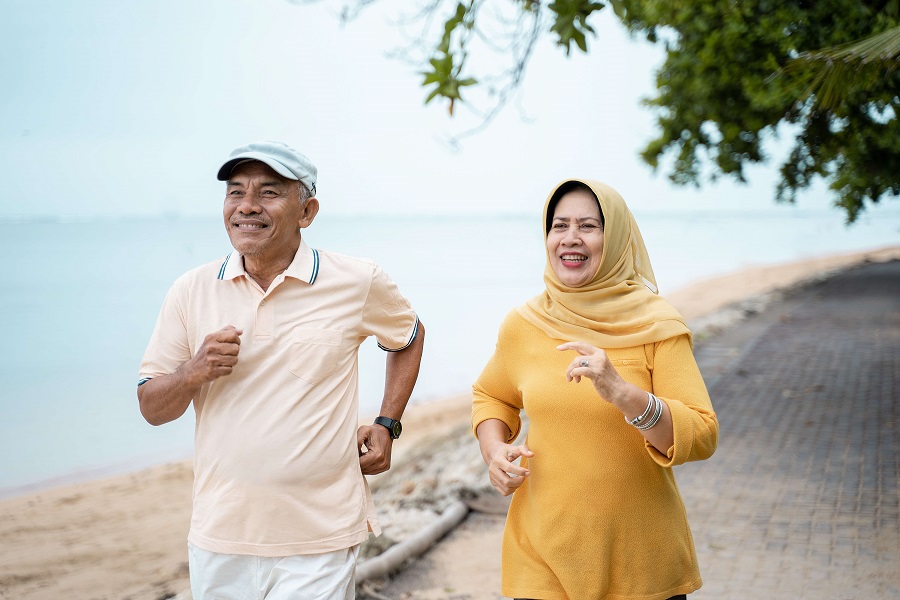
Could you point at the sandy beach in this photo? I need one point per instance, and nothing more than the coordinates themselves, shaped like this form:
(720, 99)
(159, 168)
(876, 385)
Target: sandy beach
(125, 536)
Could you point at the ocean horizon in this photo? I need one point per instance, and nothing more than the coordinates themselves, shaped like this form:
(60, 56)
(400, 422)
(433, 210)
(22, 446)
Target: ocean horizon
(83, 297)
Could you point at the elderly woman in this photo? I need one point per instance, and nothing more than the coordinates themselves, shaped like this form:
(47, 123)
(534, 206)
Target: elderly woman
(604, 369)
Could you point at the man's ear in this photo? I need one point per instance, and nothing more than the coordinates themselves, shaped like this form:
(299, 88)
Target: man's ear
(310, 210)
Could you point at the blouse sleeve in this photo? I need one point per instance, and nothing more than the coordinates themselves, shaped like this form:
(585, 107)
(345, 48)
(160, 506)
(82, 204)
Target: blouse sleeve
(495, 396)
(677, 382)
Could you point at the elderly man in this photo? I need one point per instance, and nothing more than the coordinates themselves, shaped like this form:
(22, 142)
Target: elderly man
(264, 343)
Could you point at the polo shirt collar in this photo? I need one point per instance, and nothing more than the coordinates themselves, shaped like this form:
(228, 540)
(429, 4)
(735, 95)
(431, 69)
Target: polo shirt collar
(304, 267)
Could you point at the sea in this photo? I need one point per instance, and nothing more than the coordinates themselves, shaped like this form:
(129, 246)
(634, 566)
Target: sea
(80, 299)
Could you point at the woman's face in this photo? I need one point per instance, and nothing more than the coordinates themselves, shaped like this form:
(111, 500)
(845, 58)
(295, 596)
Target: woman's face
(575, 240)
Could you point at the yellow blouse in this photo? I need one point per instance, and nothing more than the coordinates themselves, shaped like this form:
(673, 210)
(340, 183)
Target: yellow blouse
(600, 515)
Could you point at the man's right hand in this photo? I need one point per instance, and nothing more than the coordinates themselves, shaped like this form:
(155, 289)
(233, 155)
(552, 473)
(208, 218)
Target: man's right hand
(166, 397)
(216, 357)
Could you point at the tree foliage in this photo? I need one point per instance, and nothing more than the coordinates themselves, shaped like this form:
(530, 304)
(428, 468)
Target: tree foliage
(736, 73)
(836, 72)
(722, 91)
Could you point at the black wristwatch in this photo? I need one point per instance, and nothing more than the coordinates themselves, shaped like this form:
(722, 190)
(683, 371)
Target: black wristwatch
(392, 425)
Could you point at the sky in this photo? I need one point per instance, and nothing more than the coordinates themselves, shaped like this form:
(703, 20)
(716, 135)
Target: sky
(121, 108)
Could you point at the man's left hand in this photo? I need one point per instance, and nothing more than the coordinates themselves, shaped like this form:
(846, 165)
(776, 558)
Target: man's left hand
(378, 443)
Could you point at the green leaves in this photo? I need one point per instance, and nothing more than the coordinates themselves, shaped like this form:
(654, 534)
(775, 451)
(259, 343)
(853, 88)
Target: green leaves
(445, 77)
(450, 56)
(570, 24)
(831, 74)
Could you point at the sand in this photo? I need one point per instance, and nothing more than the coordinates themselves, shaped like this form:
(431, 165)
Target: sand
(123, 537)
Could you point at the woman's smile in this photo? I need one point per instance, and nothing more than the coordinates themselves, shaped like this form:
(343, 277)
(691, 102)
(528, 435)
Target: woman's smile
(573, 261)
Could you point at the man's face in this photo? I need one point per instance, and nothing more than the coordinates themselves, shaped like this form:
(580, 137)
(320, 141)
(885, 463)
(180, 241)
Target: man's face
(264, 214)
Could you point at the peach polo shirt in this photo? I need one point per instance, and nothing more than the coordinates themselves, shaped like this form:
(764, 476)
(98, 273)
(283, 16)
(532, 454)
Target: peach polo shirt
(276, 469)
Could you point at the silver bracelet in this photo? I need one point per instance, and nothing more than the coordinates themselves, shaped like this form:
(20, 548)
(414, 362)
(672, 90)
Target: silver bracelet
(637, 420)
(655, 418)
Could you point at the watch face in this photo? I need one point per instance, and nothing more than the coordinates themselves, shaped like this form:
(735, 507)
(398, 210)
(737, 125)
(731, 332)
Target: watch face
(392, 425)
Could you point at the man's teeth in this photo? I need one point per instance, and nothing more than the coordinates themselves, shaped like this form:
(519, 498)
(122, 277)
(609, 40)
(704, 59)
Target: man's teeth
(573, 257)
(249, 226)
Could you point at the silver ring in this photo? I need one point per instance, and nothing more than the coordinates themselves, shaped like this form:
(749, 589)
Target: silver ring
(584, 362)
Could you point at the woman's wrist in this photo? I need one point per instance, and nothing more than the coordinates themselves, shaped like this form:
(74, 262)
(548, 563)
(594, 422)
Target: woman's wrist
(633, 402)
(491, 433)
(491, 447)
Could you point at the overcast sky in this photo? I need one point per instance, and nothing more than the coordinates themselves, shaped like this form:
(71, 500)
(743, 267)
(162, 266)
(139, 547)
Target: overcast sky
(127, 107)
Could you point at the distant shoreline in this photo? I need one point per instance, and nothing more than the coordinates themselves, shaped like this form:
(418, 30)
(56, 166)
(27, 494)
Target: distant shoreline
(701, 301)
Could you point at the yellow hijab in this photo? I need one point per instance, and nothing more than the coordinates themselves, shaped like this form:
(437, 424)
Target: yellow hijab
(619, 307)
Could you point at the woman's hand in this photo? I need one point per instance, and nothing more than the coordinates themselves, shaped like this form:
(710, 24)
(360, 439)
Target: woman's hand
(499, 456)
(505, 476)
(593, 363)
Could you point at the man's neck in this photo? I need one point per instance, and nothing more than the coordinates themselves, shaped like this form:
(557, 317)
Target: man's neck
(264, 270)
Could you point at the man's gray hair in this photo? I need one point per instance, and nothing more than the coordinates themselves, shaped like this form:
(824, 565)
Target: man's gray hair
(305, 194)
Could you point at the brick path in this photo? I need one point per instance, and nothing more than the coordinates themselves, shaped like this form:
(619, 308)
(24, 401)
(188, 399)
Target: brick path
(801, 499)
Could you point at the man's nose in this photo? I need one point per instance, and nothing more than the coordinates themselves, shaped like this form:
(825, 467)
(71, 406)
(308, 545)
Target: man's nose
(249, 203)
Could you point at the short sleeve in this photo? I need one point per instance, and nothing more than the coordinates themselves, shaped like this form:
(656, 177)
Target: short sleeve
(387, 314)
(168, 348)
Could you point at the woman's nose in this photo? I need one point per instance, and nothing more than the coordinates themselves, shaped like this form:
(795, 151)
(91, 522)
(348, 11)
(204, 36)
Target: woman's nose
(572, 236)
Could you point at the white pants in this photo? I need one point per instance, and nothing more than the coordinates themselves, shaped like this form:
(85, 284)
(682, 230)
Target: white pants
(327, 576)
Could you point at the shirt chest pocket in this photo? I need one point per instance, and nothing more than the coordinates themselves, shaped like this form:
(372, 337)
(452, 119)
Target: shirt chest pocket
(315, 353)
(632, 367)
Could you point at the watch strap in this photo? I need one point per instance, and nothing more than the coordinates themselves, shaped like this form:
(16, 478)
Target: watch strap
(392, 425)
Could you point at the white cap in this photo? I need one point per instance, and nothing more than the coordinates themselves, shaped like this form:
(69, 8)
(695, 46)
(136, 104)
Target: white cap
(283, 159)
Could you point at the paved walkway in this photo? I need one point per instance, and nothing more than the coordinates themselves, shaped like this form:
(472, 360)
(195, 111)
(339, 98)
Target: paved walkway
(801, 499)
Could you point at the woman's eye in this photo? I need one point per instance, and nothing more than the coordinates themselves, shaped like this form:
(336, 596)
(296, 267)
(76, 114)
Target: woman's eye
(588, 226)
